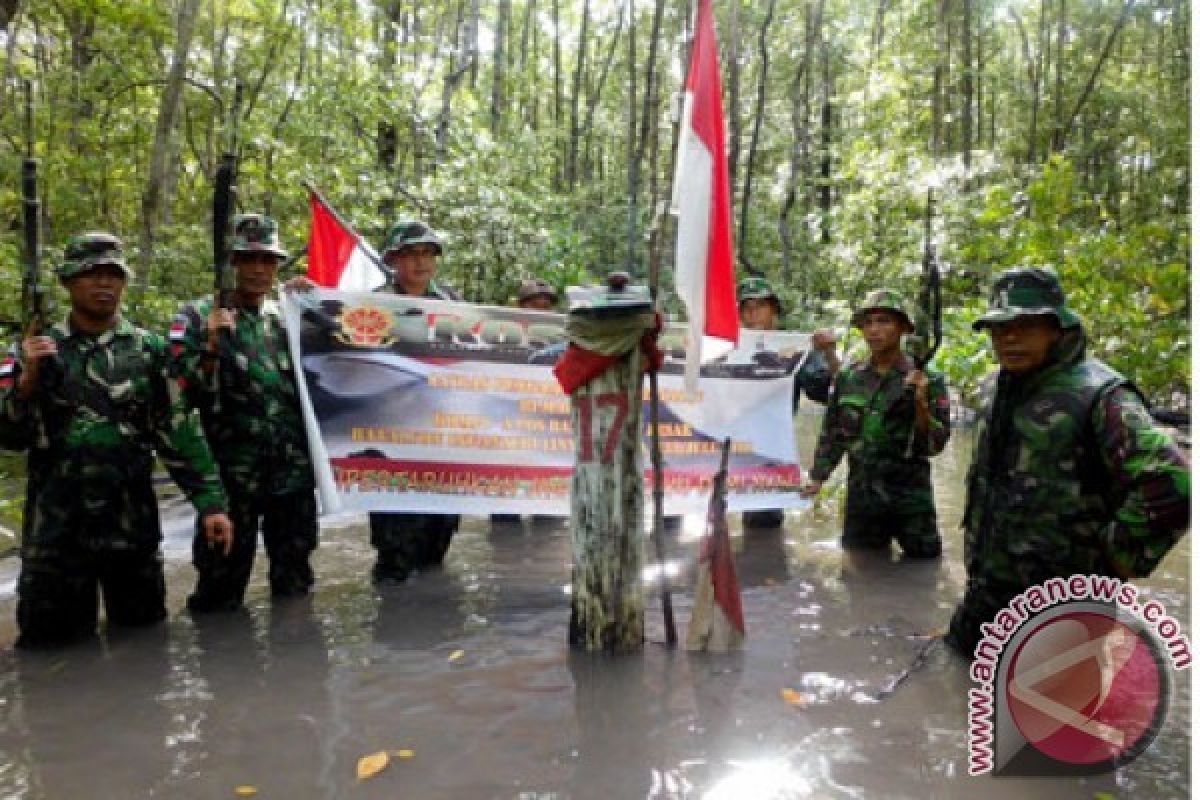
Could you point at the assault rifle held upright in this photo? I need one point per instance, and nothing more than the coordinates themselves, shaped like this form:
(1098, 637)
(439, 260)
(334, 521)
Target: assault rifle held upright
(32, 292)
(927, 337)
(224, 198)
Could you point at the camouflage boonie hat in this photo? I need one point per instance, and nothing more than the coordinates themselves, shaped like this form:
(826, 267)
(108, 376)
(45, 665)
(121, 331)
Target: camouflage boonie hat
(535, 287)
(1027, 292)
(256, 233)
(408, 233)
(881, 300)
(756, 288)
(89, 250)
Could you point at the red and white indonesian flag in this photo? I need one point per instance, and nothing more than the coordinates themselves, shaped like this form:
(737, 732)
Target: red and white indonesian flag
(704, 249)
(338, 258)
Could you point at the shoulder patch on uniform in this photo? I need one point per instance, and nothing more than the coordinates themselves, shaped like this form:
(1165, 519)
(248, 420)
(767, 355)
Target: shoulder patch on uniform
(178, 331)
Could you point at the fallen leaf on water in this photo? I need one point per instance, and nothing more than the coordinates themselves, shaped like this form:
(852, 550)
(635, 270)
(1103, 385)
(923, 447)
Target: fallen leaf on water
(404, 754)
(1103, 796)
(794, 698)
(245, 791)
(456, 655)
(369, 766)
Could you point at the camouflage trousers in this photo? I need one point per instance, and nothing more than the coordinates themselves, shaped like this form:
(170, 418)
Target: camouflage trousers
(916, 533)
(59, 586)
(289, 531)
(409, 541)
(980, 604)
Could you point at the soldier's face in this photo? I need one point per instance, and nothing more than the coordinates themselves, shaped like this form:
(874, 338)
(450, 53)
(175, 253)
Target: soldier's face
(539, 302)
(1024, 344)
(255, 272)
(759, 314)
(97, 293)
(882, 330)
(414, 267)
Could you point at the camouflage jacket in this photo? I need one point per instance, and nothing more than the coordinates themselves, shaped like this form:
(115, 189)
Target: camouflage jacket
(92, 432)
(1070, 475)
(249, 403)
(869, 418)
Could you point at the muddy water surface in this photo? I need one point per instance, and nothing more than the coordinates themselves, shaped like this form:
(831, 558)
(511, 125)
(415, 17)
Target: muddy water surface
(468, 669)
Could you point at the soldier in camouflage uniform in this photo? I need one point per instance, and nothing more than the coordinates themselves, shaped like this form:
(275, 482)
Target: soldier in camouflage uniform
(407, 541)
(240, 376)
(93, 401)
(760, 309)
(889, 418)
(1069, 473)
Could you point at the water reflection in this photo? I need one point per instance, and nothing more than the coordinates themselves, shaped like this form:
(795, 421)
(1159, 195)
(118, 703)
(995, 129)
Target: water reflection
(287, 697)
(75, 716)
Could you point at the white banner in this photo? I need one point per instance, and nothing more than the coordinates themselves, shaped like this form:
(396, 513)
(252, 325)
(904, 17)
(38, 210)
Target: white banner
(422, 405)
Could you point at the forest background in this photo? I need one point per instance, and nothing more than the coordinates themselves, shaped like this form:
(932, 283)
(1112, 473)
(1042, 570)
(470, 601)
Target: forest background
(537, 135)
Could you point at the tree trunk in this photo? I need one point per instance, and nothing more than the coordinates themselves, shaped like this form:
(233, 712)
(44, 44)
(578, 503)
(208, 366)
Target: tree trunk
(386, 135)
(8, 12)
(1100, 62)
(631, 146)
(649, 107)
(799, 167)
(968, 61)
(607, 603)
(557, 64)
(455, 71)
(592, 100)
(734, 114)
(576, 89)
(938, 70)
(1058, 76)
(759, 107)
(168, 111)
(473, 41)
(1039, 72)
(498, 65)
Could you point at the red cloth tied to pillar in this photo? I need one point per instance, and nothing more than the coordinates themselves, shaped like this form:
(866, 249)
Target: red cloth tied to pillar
(578, 366)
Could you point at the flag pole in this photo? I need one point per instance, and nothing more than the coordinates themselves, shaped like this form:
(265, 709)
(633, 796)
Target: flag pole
(654, 279)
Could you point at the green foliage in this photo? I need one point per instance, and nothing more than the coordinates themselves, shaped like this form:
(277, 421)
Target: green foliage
(388, 108)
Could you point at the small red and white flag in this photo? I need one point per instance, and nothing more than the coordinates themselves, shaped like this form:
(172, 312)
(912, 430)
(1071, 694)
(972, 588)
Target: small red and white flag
(178, 328)
(704, 248)
(8, 368)
(717, 623)
(338, 258)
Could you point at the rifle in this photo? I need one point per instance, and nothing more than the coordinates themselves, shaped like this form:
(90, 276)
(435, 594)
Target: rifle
(224, 199)
(927, 338)
(32, 292)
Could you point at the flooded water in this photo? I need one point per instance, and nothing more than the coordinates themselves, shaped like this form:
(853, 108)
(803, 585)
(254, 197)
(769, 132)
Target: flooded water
(467, 668)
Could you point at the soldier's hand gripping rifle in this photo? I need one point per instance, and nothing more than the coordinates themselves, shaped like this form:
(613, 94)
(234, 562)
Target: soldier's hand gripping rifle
(927, 337)
(32, 291)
